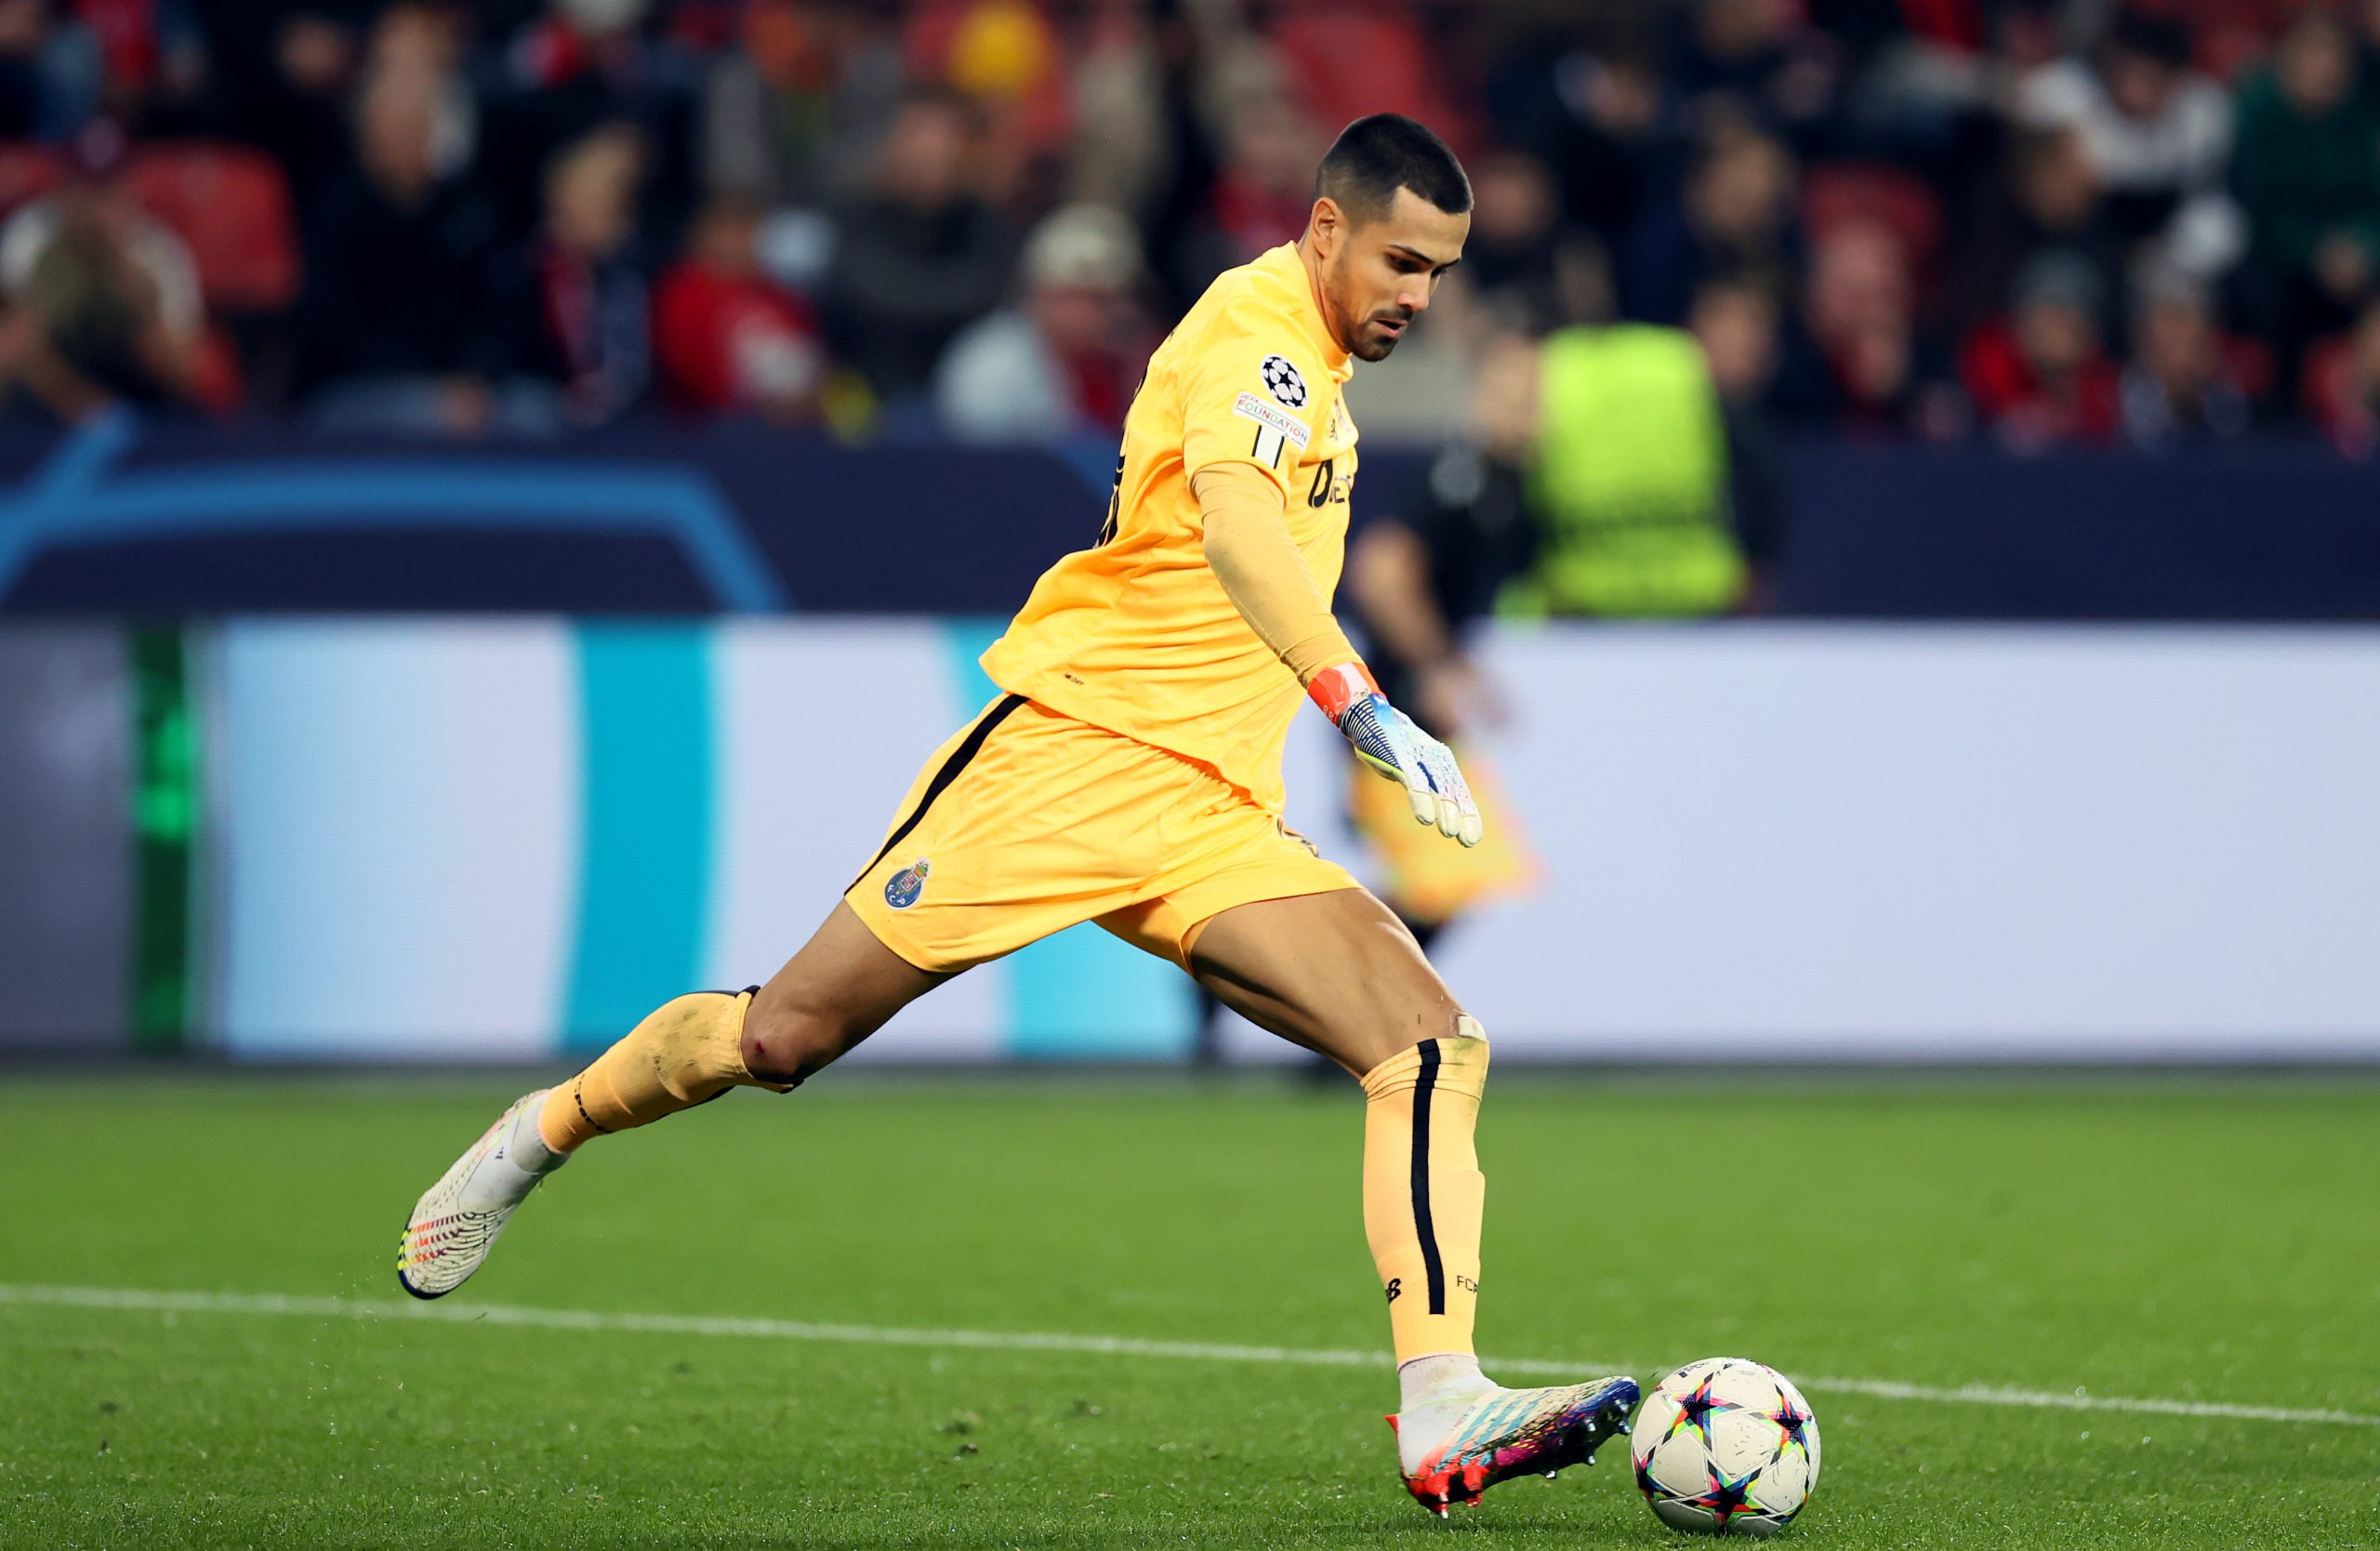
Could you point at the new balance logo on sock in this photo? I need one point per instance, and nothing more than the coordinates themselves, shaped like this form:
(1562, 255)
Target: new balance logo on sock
(1395, 1285)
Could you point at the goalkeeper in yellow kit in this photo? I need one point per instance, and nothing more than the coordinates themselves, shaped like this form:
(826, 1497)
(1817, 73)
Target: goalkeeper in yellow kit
(1131, 775)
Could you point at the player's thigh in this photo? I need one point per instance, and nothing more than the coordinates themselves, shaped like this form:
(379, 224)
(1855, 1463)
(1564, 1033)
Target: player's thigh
(839, 988)
(1335, 972)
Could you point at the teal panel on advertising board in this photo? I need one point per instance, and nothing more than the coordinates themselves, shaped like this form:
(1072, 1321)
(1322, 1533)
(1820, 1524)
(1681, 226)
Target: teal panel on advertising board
(648, 758)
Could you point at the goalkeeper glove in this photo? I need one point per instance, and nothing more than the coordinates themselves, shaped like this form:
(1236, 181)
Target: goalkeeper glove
(1386, 739)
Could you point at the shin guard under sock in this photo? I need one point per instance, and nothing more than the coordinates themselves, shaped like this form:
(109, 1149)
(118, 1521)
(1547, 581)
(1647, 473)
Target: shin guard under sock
(1423, 1194)
(686, 1050)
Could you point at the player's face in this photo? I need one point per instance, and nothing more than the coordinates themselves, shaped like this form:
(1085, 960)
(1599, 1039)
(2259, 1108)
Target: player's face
(1380, 274)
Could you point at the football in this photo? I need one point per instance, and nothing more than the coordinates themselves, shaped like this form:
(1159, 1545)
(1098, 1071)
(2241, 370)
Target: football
(1726, 1445)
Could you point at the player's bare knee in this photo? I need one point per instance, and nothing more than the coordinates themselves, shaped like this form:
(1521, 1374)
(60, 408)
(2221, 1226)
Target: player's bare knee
(784, 1047)
(788, 1039)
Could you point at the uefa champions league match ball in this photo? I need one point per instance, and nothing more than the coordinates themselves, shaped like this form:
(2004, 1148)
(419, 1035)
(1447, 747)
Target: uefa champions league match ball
(1726, 1446)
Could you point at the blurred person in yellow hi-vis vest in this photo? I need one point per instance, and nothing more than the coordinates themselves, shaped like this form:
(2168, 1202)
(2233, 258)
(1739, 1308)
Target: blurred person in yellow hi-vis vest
(1616, 471)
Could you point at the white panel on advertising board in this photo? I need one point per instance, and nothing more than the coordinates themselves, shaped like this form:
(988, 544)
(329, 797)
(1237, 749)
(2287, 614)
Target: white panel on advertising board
(402, 806)
(822, 728)
(2005, 842)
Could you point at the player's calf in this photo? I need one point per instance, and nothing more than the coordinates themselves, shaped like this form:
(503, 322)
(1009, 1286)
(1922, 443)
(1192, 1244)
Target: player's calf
(687, 1051)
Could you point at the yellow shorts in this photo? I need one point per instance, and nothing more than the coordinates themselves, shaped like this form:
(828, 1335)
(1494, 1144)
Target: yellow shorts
(1028, 822)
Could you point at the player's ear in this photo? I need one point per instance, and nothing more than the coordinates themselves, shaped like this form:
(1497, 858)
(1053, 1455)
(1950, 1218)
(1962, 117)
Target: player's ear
(1327, 223)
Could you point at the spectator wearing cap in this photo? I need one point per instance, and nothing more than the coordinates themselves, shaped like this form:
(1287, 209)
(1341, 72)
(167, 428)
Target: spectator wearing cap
(2181, 385)
(920, 257)
(1065, 358)
(2157, 135)
(2040, 377)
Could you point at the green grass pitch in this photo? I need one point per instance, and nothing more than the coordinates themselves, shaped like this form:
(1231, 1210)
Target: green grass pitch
(2122, 1237)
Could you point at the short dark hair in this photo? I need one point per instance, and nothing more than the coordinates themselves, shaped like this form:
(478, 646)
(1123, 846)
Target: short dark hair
(1382, 153)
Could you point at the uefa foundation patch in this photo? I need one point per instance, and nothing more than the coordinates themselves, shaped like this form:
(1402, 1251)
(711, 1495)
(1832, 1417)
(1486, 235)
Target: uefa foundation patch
(902, 889)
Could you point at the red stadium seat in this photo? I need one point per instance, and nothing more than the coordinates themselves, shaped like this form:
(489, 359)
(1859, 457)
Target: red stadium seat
(231, 204)
(27, 172)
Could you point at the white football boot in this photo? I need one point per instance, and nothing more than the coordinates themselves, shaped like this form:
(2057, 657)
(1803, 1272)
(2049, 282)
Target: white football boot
(454, 1224)
(1452, 1451)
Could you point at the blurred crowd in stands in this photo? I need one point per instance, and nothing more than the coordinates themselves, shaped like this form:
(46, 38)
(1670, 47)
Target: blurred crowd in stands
(2043, 221)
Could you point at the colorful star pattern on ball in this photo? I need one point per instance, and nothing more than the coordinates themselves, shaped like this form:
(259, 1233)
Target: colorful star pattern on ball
(1693, 1409)
(1791, 1421)
(1725, 1496)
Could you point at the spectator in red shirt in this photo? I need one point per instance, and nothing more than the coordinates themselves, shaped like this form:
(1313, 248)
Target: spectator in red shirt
(726, 337)
(2040, 377)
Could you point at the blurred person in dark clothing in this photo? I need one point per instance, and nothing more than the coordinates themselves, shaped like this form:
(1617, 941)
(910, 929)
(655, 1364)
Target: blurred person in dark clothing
(104, 299)
(1858, 365)
(920, 257)
(1065, 358)
(282, 71)
(53, 72)
(581, 66)
(2306, 169)
(727, 339)
(1735, 215)
(1597, 115)
(2343, 387)
(1520, 265)
(791, 115)
(398, 323)
(1423, 580)
(1737, 328)
(2182, 383)
(2040, 377)
(2048, 197)
(1756, 55)
(576, 295)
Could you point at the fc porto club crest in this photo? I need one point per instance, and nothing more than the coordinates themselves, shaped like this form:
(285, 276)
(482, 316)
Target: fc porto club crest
(902, 889)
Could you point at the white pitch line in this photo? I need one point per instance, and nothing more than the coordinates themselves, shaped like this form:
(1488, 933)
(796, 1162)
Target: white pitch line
(141, 1300)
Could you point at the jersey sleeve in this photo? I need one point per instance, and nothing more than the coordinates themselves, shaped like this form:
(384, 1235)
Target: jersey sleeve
(1254, 392)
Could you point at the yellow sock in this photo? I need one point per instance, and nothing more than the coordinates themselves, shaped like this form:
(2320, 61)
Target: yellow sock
(687, 1049)
(1423, 1194)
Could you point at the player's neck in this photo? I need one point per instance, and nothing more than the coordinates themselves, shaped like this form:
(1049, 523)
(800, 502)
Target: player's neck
(1311, 263)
